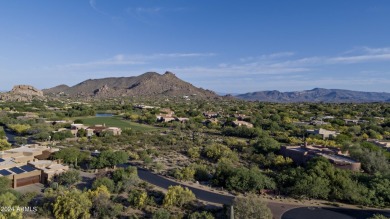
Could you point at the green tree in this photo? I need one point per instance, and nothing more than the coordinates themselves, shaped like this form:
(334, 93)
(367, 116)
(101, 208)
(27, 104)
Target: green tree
(201, 215)
(245, 180)
(110, 159)
(102, 206)
(69, 178)
(71, 155)
(251, 207)
(122, 174)
(104, 181)
(217, 151)
(72, 205)
(312, 187)
(187, 173)
(4, 145)
(161, 214)
(20, 140)
(8, 200)
(5, 184)
(19, 128)
(266, 144)
(137, 198)
(194, 152)
(201, 173)
(378, 216)
(2, 132)
(178, 196)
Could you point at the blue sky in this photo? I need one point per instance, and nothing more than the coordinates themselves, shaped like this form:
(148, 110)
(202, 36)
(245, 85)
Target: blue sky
(222, 45)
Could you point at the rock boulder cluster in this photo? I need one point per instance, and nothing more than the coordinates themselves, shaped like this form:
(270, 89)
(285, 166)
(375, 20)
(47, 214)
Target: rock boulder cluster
(22, 93)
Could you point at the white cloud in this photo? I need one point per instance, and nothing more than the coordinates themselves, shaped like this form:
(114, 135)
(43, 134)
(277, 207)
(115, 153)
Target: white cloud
(148, 10)
(122, 59)
(283, 70)
(358, 58)
(93, 5)
(268, 56)
(384, 50)
(365, 54)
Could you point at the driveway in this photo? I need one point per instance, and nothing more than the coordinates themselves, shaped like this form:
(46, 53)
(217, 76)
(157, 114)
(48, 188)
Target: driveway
(86, 180)
(37, 188)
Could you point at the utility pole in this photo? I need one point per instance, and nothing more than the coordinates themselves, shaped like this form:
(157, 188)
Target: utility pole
(230, 212)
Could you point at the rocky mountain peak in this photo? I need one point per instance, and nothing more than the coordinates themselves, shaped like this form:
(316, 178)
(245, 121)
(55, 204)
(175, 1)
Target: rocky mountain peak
(22, 93)
(103, 90)
(150, 84)
(26, 90)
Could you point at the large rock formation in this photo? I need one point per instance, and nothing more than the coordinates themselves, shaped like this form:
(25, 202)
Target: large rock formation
(148, 84)
(26, 90)
(22, 93)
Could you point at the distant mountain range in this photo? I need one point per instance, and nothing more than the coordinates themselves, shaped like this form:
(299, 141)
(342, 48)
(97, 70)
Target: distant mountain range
(152, 84)
(147, 84)
(317, 95)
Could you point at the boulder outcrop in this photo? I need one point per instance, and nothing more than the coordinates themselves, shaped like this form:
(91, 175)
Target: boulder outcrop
(22, 93)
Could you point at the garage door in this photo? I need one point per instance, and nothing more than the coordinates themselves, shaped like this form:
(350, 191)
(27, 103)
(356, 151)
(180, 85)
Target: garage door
(27, 181)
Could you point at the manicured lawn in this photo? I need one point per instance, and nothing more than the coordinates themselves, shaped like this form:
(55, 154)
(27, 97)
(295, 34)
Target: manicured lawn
(116, 122)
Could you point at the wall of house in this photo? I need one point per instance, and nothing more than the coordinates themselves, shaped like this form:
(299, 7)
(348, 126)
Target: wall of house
(17, 177)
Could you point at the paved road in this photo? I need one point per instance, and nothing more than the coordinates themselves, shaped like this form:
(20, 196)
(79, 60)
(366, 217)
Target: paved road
(334, 213)
(11, 137)
(280, 210)
(200, 194)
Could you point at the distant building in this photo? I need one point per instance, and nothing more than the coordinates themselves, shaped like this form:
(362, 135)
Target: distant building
(354, 121)
(210, 115)
(166, 115)
(242, 123)
(318, 122)
(74, 128)
(144, 107)
(94, 130)
(98, 129)
(381, 143)
(163, 118)
(302, 154)
(212, 121)
(323, 132)
(241, 116)
(300, 123)
(182, 119)
(49, 169)
(114, 130)
(167, 112)
(328, 117)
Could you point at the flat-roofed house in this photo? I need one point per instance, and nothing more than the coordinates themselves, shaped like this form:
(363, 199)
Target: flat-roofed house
(302, 154)
(167, 112)
(49, 169)
(114, 130)
(17, 164)
(98, 129)
(210, 115)
(182, 119)
(323, 132)
(74, 128)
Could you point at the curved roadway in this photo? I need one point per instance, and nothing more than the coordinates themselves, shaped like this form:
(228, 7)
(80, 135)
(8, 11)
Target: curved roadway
(277, 209)
(199, 193)
(325, 213)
